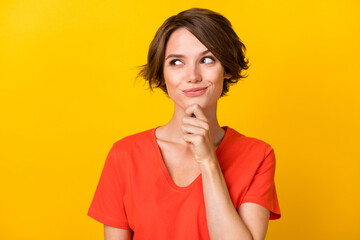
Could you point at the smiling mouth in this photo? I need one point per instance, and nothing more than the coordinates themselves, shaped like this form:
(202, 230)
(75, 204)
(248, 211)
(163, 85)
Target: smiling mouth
(194, 89)
(193, 92)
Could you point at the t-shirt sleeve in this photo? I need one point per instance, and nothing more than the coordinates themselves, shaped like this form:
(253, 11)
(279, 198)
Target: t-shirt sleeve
(262, 188)
(107, 205)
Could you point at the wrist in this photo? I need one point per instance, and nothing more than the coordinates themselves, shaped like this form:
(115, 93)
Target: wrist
(209, 164)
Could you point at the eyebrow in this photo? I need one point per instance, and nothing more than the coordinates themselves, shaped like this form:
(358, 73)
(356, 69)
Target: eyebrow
(181, 56)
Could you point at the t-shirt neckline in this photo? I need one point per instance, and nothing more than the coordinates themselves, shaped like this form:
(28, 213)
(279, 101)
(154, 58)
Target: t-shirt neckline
(164, 170)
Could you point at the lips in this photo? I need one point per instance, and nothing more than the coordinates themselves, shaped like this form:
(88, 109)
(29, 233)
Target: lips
(194, 89)
(193, 92)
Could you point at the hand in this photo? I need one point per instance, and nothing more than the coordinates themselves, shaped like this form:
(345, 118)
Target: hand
(197, 132)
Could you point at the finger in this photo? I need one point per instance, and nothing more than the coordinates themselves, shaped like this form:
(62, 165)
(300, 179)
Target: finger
(196, 122)
(194, 139)
(191, 129)
(197, 111)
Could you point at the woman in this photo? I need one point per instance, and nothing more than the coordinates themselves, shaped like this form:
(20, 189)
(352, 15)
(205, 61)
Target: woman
(191, 178)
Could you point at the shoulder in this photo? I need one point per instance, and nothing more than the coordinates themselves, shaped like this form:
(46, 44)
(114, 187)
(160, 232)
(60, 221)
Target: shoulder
(136, 139)
(134, 142)
(248, 153)
(250, 144)
(131, 149)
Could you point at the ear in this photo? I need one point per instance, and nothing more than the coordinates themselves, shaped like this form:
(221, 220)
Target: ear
(227, 76)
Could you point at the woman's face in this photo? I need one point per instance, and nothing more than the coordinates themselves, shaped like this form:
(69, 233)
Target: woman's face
(192, 73)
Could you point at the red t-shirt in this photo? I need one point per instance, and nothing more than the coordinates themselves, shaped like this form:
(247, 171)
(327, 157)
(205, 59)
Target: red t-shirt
(136, 192)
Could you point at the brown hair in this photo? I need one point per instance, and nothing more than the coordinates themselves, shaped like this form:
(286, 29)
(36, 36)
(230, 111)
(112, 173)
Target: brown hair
(213, 30)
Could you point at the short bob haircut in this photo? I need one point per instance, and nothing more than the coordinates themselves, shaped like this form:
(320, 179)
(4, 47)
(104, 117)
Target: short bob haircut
(213, 30)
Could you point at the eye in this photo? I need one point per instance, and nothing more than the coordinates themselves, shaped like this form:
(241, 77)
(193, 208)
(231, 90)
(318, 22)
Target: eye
(175, 62)
(208, 60)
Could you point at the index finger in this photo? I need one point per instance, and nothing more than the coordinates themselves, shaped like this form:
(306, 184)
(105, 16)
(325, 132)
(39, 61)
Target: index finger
(197, 111)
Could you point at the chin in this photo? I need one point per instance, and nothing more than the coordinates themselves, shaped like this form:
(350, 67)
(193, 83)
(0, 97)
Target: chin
(203, 103)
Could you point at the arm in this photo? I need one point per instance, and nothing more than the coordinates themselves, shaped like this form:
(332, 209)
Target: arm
(107, 205)
(113, 233)
(224, 222)
(256, 217)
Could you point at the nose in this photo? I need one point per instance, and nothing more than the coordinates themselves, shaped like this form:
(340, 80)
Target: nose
(194, 74)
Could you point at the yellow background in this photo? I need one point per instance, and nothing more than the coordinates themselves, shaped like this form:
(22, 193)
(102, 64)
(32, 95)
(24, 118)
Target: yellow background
(67, 92)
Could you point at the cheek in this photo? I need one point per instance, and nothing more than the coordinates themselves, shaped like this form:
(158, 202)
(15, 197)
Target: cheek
(220, 82)
(219, 87)
(217, 80)
(170, 84)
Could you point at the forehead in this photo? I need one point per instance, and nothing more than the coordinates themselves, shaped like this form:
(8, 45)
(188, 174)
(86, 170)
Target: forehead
(182, 41)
